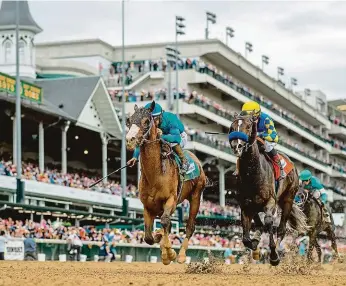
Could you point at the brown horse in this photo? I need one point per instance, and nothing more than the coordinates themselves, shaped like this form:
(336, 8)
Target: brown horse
(257, 188)
(314, 213)
(158, 185)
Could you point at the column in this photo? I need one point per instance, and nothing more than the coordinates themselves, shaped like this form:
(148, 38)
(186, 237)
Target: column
(64, 147)
(104, 140)
(14, 141)
(222, 195)
(41, 146)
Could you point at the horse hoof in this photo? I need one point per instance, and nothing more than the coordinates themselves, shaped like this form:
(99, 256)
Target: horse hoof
(157, 238)
(256, 254)
(166, 261)
(274, 262)
(172, 255)
(181, 259)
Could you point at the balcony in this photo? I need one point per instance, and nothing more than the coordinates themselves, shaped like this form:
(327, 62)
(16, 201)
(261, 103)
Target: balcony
(240, 94)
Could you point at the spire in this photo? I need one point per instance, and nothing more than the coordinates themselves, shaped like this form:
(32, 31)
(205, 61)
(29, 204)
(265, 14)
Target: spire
(8, 17)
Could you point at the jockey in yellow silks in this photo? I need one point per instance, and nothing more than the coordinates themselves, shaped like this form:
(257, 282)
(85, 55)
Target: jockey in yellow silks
(265, 130)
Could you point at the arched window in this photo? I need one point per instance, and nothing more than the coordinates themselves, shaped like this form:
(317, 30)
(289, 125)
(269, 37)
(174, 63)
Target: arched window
(21, 51)
(8, 51)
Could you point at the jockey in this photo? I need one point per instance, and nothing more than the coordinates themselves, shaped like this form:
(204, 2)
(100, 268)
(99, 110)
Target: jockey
(313, 184)
(173, 132)
(266, 131)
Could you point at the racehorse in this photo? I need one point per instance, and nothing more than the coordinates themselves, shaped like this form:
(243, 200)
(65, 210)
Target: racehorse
(158, 185)
(257, 191)
(313, 211)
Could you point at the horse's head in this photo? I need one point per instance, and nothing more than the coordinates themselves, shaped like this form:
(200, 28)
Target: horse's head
(242, 132)
(140, 125)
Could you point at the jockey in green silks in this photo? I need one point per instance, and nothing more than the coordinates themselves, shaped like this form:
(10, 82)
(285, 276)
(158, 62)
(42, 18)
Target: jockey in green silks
(173, 131)
(313, 185)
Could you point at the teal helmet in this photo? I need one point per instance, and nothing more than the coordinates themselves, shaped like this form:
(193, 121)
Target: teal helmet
(305, 175)
(157, 109)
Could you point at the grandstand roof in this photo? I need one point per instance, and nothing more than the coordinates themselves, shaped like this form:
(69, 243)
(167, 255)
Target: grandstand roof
(77, 96)
(72, 93)
(45, 107)
(338, 104)
(8, 17)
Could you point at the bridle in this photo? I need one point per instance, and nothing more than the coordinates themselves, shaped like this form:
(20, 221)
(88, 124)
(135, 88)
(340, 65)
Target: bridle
(303, 197)
(234, 135)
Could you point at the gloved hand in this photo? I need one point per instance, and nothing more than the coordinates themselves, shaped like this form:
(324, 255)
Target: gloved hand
(132, 162)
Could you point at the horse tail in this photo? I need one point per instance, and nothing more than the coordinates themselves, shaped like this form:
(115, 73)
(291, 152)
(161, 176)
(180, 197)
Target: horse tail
(297, 220)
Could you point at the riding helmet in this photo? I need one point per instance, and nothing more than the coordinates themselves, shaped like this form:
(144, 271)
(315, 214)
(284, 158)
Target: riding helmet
(251, 106)
(305, 175)
(157, 109)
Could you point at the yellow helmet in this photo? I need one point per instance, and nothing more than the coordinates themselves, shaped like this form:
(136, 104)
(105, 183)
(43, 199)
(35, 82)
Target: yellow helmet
(251, 106)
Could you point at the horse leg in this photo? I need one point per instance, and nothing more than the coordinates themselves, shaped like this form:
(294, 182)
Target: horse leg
(167, 253)
(312, 239)
(268, 225)
(246, 218)
(286, 211)
(194, 200)
(148, 227)
(319, 251)
(256, 237)
(331, 236)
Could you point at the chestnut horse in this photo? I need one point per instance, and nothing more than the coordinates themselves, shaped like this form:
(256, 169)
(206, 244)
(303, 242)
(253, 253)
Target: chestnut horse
(159, 181)
(257, 190)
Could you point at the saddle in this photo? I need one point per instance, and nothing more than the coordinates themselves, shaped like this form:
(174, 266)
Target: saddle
(287, 163)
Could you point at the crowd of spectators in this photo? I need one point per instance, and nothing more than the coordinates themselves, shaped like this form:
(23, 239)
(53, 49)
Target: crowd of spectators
(46, 229)
(82, 181)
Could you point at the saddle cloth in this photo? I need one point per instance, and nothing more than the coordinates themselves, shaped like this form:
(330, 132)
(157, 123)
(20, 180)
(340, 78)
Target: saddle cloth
(287, 163)
(193, 170)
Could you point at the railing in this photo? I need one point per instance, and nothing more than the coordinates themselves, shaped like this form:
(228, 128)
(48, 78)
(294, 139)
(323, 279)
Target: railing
(52, 248)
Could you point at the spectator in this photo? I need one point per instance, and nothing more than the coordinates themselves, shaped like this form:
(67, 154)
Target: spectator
(74, 245)
(29, 247)
(3, 241)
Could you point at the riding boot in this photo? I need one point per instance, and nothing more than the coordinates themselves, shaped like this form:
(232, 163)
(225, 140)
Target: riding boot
(184, 164)
(277, 160)
(236, 171)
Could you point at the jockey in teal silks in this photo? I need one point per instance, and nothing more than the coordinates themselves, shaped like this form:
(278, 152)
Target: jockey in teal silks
(173, 131)
(313, 185)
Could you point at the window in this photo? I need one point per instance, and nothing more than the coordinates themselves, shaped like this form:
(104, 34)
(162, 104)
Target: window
(21, 51)
(8, 51)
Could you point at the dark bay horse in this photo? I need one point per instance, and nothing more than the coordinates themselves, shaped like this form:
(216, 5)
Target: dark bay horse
(313, 211)
(158, 185)
(257, 190)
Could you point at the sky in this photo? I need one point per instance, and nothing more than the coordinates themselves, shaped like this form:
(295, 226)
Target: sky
(307, 39)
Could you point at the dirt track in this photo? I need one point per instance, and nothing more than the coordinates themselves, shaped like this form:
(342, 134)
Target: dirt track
(91, 273)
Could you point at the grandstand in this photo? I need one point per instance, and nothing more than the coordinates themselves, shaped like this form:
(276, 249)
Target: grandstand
(71, 135)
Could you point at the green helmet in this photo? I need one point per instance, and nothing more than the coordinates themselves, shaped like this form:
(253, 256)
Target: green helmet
(305, 175)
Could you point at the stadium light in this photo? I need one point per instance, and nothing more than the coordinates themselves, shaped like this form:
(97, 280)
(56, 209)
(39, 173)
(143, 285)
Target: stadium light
(265, 60)
(229, 34)
(179, 30)
(294, 82)
(172, 55)
(281, 71)
(123, 115)
(248, 48)
(211, 17)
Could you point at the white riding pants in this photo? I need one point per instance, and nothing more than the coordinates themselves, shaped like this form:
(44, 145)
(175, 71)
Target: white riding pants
(183, 141)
